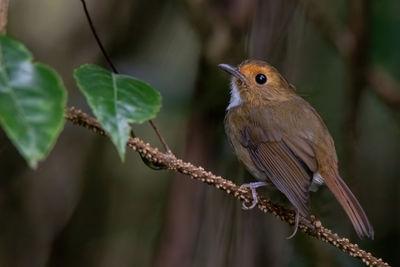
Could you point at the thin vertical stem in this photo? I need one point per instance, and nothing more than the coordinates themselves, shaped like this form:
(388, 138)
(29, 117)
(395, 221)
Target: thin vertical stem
(3, 15)
(112, 66)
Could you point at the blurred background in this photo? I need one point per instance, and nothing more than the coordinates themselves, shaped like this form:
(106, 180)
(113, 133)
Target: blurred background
(83, 207)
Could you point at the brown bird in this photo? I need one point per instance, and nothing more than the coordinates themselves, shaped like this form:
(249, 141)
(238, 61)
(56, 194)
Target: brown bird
(282, 140)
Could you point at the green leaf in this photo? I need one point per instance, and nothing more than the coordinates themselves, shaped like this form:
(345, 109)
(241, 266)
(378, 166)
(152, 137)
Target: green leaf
(117, 100)
(32, 101)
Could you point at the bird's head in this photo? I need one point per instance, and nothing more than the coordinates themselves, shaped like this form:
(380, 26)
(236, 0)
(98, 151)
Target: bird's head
(256, 82)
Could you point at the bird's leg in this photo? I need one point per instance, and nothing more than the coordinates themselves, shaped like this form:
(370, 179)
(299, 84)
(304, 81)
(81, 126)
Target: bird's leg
(252, 187)
(296, 225)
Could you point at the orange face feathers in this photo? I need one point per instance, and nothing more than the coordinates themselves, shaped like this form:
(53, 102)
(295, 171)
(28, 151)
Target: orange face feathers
(257, 82)
(250, 69)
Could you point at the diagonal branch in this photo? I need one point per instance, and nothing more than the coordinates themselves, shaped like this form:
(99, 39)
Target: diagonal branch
(168, 161)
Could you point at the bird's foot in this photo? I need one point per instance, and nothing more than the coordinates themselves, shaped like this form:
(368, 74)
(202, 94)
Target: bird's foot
(252, 187)
(296, 225)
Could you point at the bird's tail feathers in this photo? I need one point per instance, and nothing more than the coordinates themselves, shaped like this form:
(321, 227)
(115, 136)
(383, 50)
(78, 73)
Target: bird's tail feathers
(351, 206)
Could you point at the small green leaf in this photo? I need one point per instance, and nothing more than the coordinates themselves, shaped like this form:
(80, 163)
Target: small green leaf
(32, 101)
(117, 100)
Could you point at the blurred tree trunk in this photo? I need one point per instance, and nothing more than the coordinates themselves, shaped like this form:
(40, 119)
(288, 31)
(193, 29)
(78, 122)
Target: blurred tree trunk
(186, 198)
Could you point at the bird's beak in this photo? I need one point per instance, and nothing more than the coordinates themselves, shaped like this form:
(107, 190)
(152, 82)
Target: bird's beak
(233, 71)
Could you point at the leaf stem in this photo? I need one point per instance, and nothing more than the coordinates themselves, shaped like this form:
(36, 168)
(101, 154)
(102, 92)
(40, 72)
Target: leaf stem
(112, 66)
(162, 140)
(96, 36)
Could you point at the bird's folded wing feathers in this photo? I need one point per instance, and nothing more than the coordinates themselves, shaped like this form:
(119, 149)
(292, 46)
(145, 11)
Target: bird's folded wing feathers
(288, 163)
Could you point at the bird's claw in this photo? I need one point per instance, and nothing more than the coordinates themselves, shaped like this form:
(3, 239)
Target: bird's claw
(296, 225)
(251, 206)
(252, 187)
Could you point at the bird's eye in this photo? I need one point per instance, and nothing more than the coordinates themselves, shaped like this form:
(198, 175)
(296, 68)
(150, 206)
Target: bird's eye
(261, 78)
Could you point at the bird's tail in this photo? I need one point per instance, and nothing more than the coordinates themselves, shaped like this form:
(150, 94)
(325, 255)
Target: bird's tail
(351, 205)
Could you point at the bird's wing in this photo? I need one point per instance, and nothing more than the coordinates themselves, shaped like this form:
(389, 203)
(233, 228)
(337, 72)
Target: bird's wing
(289, 162)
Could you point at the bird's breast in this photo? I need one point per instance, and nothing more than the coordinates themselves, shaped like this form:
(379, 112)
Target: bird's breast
(235, 121)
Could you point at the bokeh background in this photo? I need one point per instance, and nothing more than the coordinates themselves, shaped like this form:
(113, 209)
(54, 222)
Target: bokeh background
(83, 207)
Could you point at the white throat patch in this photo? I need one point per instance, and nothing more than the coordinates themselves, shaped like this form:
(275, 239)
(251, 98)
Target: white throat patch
(235, 97)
